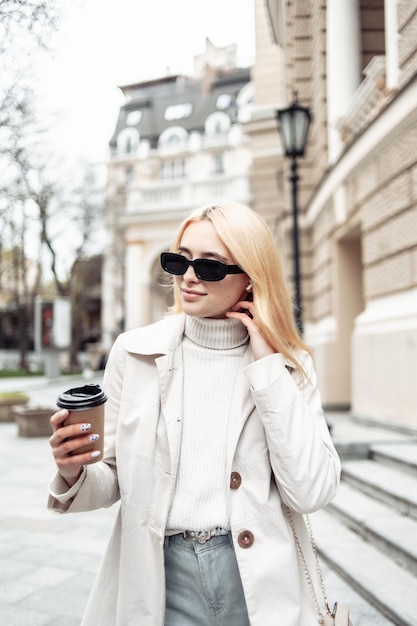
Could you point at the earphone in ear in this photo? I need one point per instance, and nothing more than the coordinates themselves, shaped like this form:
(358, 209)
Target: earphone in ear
(249, 287)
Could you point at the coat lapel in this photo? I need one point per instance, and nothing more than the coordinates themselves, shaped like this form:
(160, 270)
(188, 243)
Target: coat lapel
(163, 341)
(171, 380)
(242, 406)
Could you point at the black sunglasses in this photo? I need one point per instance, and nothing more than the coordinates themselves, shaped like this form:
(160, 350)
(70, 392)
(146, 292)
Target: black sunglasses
(205, 269)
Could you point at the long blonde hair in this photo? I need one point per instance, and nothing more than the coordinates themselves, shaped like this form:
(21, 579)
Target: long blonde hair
(251, 243)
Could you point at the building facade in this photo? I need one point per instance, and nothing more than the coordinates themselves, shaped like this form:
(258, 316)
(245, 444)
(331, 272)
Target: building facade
(178, 144)
(355, 65)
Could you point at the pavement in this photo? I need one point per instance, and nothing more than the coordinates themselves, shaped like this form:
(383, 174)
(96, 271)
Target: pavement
(48, 561)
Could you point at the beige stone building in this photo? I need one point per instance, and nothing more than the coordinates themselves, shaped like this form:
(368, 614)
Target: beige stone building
(355, 65)
(178, 144)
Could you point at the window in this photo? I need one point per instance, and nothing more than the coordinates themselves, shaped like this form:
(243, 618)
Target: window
(174, 136)
(223, 101)
(172, 169)
(218, 164)
(173, 140)
(217, 124)
(127, 141)
(133, 118)
(128, 176)
(178, 111)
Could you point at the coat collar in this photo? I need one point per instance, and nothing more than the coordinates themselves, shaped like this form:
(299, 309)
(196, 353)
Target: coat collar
(160, 338)
(164, 336)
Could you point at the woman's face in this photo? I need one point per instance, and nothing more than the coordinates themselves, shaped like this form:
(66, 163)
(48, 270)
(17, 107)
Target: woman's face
(206, 298)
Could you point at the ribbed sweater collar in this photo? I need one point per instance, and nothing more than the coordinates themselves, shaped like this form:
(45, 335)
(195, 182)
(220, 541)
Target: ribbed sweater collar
(217, 334)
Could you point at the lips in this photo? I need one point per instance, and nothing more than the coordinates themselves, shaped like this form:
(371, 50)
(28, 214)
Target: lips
(189, 293)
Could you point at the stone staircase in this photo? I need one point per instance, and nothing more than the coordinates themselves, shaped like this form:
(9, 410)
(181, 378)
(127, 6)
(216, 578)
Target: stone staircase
(368, 533)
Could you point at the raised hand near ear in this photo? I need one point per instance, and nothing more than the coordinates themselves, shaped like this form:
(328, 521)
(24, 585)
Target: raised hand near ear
(244, 311)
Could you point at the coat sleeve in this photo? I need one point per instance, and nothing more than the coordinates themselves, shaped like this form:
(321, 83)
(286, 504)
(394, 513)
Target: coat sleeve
(98, 485)
(304, 461)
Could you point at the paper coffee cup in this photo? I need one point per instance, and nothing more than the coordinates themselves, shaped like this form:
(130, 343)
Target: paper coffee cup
(86, 405)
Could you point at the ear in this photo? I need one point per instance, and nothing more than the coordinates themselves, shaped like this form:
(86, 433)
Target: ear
(249, 296)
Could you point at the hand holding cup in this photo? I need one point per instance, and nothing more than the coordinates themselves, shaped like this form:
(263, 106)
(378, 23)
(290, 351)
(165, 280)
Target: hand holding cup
(78, 429)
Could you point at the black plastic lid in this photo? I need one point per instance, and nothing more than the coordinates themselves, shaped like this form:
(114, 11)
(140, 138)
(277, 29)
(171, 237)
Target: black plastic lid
(81, 397)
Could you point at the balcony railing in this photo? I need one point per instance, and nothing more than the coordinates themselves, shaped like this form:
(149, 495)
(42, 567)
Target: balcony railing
(366, 102)
(170, 196)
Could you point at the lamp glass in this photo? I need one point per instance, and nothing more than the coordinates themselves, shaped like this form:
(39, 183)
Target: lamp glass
(294, 124)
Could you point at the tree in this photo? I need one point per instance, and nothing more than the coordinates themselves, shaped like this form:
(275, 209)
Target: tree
(34, 17)
(47, 221)
(22, 284)
(56, 224)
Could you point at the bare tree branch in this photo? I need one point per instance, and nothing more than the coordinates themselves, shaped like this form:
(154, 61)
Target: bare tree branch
(34, 17)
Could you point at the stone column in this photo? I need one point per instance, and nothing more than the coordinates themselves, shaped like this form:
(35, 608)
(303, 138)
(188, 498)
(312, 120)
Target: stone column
(391, 43)
(343, 64)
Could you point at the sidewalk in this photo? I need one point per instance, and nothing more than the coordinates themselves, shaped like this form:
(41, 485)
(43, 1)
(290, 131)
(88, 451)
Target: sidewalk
(48, 562)
(45, 391)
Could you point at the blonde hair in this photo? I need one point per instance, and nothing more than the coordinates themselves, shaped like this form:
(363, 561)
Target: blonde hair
(251, 243)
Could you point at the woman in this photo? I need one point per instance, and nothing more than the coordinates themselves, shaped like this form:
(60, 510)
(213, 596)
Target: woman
(213, 427)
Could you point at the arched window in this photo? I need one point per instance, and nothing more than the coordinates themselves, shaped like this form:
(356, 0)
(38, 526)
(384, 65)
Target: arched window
(127, 141)
(217, 124)
(174, 136)
(244, 102)
(246, 94)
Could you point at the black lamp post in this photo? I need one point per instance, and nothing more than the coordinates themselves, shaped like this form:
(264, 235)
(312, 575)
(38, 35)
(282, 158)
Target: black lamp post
(294, 123)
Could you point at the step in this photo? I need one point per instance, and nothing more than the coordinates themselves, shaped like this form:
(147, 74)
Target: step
(400, 455)
(378, 579)
(353, 437)
(379, 524)
(388, 484)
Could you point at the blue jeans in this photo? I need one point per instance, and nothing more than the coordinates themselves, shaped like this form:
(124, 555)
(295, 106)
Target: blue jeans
(203, 585)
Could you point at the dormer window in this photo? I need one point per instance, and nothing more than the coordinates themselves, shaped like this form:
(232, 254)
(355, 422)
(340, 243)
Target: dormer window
(133, 118)
(217, 124)
(128, 141)
(223, 101)
(174, 136)
(178, 111)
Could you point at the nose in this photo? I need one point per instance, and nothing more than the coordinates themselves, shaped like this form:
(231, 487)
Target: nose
(190, 274)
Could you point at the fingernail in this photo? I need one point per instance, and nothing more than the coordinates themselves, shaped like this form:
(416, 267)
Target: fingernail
(95, 454)
(94, 437)
(63, 412)
(85, 426)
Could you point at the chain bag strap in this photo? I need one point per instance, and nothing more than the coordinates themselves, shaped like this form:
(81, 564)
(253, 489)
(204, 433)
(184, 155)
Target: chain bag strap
(340, 614)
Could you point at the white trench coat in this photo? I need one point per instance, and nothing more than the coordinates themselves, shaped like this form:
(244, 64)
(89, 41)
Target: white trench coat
(279, 452)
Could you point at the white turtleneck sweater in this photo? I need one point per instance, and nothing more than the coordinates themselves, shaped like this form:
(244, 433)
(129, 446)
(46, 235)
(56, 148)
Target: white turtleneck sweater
(212, 354)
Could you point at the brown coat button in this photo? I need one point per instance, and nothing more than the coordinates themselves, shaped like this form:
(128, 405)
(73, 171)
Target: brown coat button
(235, 480)
(246, 539)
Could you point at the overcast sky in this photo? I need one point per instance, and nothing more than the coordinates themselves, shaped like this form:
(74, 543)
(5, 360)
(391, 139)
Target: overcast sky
(105, 43)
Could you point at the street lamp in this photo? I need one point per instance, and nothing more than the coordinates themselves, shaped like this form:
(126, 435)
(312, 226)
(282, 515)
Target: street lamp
(294, 123)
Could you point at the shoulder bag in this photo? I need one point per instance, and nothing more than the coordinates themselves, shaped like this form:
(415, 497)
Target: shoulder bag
(340, 614)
